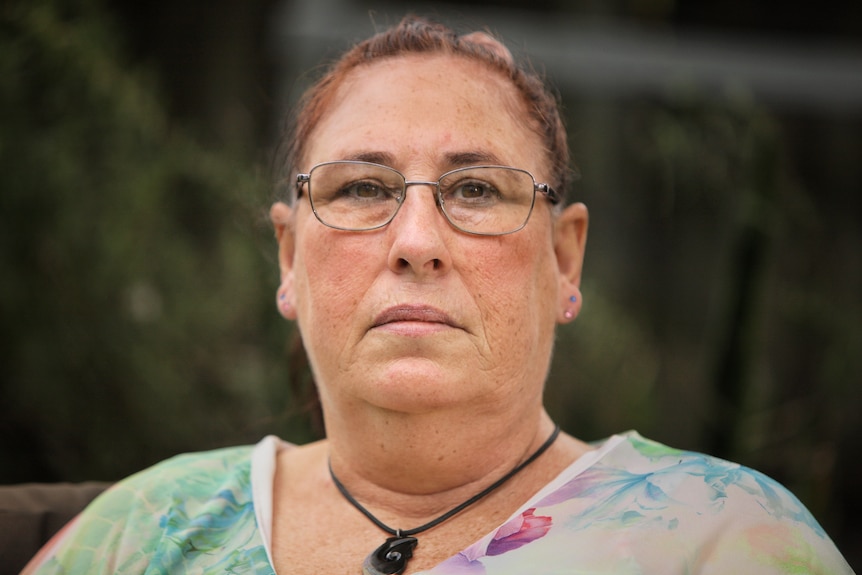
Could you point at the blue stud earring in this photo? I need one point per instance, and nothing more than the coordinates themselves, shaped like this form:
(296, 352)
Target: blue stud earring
(569, 313)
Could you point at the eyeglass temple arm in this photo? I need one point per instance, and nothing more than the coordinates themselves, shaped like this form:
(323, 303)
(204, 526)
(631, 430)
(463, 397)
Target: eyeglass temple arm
(553, 195)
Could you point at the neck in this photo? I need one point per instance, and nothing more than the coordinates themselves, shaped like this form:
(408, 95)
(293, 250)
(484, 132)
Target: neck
(432, 461)
(399, 533)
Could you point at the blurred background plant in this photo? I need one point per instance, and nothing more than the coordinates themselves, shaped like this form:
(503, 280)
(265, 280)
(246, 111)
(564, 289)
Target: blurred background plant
(137, 285)
(137, 271)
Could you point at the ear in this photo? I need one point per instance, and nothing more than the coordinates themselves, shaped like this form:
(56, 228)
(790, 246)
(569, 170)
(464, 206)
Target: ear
(570, 240)
(281, 216)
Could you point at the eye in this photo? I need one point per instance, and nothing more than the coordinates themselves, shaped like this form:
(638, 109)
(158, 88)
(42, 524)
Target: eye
(366, 190)
(472, 191)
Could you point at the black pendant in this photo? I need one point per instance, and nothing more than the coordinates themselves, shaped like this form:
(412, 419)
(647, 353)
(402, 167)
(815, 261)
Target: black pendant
(391, 557)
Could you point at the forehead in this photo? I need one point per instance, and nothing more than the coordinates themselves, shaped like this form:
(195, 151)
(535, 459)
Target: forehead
(428, 106)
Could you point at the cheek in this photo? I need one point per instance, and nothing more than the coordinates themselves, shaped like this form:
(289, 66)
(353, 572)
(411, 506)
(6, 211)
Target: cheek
(328, 289)
(516, 291)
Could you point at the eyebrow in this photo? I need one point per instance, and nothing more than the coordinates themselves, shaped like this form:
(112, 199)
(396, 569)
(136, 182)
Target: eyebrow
(452, 160)
(382, 158)
(473, 158)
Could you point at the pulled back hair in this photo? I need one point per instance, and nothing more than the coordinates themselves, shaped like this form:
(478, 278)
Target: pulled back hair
(416, 35)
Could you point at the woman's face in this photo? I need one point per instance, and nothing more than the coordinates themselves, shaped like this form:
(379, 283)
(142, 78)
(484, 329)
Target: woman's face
(419, 316)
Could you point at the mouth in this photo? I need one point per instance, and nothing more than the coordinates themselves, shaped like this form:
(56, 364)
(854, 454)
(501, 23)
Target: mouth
(414, 314)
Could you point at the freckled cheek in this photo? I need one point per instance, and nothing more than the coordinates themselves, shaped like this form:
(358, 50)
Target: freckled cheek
(510, 292)
(330, 280)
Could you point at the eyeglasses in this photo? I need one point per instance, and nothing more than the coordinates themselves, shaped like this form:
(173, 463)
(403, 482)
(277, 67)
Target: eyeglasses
(482, 200)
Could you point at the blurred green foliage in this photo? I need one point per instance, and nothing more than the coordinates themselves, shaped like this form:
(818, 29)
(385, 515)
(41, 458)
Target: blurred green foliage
(137, 288)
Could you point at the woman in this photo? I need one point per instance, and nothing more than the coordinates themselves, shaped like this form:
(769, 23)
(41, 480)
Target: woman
(427, 256)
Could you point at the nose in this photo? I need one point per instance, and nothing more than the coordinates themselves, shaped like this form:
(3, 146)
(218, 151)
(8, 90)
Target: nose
(419, 233)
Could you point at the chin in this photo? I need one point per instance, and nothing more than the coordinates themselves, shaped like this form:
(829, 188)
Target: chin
(416, 386)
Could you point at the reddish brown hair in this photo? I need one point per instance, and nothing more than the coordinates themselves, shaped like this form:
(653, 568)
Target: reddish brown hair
(415, 35)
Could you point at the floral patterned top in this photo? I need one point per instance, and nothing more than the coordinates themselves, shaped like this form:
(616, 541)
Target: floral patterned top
(632, 506)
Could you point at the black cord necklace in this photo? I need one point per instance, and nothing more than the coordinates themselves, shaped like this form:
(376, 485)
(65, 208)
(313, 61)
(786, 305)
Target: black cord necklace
(392, 556)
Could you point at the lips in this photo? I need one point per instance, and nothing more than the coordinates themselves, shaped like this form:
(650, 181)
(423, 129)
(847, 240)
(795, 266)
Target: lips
(409, 313)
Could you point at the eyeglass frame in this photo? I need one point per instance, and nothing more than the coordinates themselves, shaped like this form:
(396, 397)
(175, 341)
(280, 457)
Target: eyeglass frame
(553, 196)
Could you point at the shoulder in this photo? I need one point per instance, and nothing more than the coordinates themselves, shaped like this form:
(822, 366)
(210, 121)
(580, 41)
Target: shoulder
(190, 473)
(183, 507)
(636, 506)
(701, 509)
(183, 482)
(697, 479)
